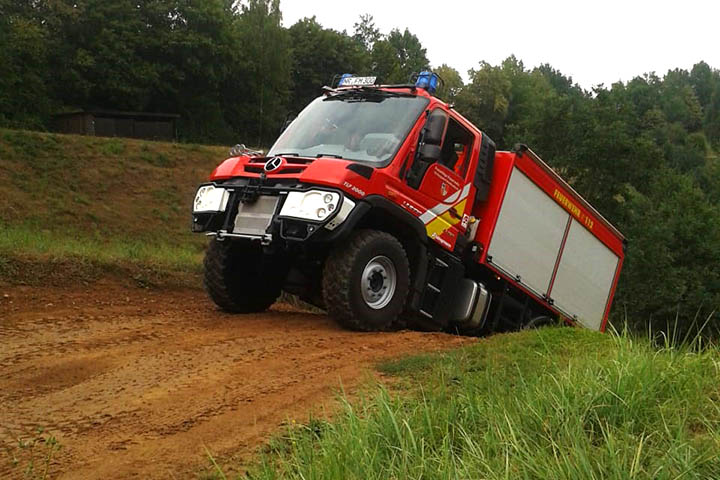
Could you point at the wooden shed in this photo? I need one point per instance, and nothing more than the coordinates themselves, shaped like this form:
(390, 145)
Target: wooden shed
(109, 123)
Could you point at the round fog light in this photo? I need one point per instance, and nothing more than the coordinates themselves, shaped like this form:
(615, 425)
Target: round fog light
(328, 198)
(321, 212)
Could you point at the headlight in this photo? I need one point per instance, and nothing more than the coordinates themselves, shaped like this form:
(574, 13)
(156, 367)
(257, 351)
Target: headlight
(210, 199)
(345, 209)
(312, 205)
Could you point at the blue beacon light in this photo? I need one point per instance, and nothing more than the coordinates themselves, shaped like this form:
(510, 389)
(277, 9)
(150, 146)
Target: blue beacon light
(428, 81)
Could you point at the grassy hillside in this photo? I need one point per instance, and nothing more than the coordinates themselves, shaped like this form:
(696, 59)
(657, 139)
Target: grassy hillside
(559, 403)
(80, 205)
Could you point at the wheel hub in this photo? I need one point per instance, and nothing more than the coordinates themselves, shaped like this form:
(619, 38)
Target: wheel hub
(378, 282)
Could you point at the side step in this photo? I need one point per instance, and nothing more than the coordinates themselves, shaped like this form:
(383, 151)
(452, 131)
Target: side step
(443, 278)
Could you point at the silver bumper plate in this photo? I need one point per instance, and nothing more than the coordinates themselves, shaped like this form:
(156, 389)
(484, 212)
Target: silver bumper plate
(253, 219)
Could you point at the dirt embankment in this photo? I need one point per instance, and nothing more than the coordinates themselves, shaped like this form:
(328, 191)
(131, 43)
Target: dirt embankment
(136, 383)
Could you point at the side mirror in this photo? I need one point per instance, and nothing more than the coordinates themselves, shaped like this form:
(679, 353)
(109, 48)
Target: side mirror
(428, 151)
(435, 127)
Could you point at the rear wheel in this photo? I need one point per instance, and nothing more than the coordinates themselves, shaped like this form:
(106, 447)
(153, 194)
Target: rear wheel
(540, 322)
(239, 278)
(366, 281)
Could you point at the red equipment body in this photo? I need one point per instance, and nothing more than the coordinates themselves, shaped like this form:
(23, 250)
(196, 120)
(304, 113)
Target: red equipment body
(508, 216)
(574, 253)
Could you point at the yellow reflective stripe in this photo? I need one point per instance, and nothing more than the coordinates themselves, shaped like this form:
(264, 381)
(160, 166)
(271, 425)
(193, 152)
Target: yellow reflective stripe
(445, 221)
(437, 226)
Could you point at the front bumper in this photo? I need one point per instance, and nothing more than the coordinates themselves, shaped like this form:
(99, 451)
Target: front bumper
(253, 212)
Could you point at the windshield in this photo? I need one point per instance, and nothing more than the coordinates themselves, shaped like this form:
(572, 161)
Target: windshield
(361, 126)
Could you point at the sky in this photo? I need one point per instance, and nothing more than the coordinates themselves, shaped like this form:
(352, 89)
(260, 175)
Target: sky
(594, 42)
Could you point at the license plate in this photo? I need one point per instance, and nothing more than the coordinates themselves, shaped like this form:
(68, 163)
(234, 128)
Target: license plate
(357, 81)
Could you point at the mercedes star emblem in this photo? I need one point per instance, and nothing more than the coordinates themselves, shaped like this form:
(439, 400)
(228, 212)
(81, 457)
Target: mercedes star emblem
(273, 164)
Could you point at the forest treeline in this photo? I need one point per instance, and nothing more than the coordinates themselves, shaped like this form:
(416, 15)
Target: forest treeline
(641, 151)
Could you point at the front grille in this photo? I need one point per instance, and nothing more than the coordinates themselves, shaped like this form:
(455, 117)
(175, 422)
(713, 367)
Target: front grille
(266, 186)
(299, 161)
(291, 160)
(292, 166)
(282, 171)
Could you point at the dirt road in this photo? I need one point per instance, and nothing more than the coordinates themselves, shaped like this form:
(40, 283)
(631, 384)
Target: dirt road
(136, 383)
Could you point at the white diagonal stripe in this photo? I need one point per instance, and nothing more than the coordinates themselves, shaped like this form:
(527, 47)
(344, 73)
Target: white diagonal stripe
(443, 207)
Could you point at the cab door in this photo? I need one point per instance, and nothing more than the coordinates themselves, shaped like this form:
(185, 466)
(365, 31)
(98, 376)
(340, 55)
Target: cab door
(440, 176)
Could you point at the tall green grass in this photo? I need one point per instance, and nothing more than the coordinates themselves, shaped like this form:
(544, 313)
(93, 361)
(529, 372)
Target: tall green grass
(556, 403)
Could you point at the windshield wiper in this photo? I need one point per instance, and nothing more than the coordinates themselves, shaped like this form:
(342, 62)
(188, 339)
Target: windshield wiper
(331, 155)
(290, 154)
(361, 94)
(377, 91)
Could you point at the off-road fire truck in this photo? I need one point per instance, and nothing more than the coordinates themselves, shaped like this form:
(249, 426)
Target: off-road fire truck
(387, 208)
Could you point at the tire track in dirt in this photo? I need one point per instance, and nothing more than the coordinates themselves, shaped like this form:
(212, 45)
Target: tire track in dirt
(136, 383)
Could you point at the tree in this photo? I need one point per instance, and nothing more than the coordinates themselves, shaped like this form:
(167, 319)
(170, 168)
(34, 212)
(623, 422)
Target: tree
(96, 61)
(679, 101)
(318, 55)
(158, 55)
(266, 65)
(194, 47)
(399, 55)
(712, 117)
(559, 82)
(703, 80)
(486, 99)
(411, 55)
(383, 61)
(451, 84)
(670, 273)
(365, 32)
(25, 101)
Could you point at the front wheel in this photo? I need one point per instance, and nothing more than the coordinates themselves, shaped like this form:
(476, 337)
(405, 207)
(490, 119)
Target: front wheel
(239, 278)
(366, 281)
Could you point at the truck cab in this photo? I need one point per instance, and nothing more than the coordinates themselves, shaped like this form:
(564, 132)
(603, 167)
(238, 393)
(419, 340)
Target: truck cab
(380, 204)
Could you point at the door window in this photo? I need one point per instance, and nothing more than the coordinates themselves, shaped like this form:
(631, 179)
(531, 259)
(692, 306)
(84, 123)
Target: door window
(456, 148)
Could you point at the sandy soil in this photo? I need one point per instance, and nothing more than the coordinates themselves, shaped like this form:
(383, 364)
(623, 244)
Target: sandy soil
(137, 383)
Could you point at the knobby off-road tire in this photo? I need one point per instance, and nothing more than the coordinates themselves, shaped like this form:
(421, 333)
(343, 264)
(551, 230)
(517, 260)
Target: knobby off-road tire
(372, 261)
(541, 321)
(239, 278)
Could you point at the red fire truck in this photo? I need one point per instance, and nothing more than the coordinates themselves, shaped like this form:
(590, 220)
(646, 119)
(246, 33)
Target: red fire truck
(387, 208)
